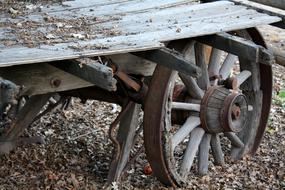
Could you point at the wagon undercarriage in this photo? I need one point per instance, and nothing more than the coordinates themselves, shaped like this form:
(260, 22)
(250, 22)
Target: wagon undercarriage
(199, 71)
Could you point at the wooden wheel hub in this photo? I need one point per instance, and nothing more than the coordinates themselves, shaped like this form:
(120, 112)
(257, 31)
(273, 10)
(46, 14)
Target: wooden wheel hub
(223, 110)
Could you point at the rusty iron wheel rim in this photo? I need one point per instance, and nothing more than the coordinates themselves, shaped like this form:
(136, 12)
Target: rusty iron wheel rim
(155, 136)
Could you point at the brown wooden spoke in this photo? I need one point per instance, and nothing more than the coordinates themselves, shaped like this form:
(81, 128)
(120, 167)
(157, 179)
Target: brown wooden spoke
(202, 81)
(179, 133)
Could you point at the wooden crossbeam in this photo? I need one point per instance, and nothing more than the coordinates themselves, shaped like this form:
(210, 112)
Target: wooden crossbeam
(91, 71)
(238, 46)
(171, 59)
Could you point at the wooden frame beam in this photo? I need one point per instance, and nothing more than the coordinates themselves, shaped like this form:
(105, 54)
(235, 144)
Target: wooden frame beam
(42, 78)
(238, 46)
(171, 59)
(91, 71)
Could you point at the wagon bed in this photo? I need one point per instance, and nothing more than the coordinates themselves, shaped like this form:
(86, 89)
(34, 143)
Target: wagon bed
(83, 28)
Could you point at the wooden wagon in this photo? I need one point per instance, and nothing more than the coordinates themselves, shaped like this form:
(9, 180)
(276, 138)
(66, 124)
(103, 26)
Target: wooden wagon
(199, 71)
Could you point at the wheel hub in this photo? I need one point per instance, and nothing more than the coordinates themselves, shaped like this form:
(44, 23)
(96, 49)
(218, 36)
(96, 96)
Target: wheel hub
(223, 110)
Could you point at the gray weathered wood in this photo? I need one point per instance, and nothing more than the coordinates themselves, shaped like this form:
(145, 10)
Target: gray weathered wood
(235, 140)
(125, 137)
(140, 25)
(217, 150)
(171, 59)
(203, 81)
(227, 66)
(91, 71)
(265, 9)
(203, 154)
(185, 106)
(37, 78)
(242, 77)
(25, 117)
(132, 64)
(214, 63)
(239, 46)
(185, 130)
(192, 87)
(191, 150)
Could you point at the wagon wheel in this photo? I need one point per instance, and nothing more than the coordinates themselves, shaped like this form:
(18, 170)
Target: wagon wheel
(186, 116)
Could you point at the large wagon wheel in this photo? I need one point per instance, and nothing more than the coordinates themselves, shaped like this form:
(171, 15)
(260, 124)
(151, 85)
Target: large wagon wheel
(185, 117)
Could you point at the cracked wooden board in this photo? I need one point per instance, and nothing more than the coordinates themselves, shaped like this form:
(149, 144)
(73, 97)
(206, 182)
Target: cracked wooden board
(80, 29)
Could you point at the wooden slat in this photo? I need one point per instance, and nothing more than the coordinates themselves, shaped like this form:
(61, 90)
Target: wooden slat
(91, 71)
(140, 24)
(37, 78)
(265, 9)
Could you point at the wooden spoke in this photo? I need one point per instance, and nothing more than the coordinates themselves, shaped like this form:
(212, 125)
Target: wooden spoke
(185, 130)
(228, 65)
(217, 150)
(192, 87)
(191, 150)
(235, 140)
(185, 106)
(249, 107)
(202, 81)
(203, 155)
(214, 63)
(242, 77)
(187, 51)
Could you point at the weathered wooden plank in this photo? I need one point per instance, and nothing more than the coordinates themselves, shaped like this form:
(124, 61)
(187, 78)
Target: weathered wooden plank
(39, 78)
(239, 46)
(126, 137)
(171, 59)
(136, 34)
(274, 3)
(265, 9)
(91, 71)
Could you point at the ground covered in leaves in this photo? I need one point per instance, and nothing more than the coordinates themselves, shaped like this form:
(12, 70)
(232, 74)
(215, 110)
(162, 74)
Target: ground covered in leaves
(77, 153)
